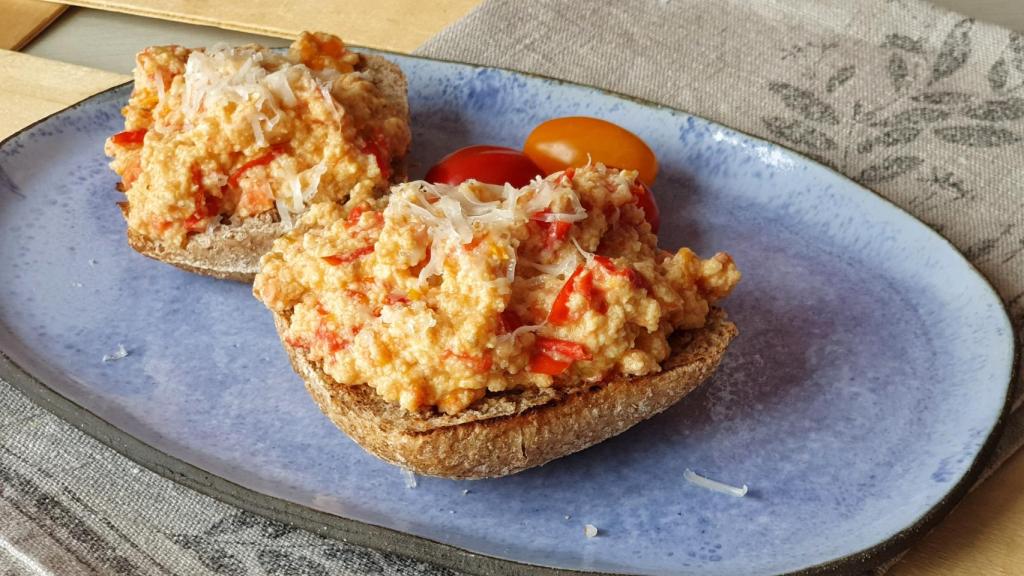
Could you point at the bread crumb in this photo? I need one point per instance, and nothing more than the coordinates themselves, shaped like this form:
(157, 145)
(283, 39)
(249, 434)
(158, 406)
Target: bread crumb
(590, 531)
(410, 479)
(121, 352)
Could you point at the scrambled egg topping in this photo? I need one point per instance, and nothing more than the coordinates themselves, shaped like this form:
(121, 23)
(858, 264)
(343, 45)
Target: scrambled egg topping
(226, 133)
(441, 294)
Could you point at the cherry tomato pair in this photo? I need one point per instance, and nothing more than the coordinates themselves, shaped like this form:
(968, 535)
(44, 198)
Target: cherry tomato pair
(553, 146)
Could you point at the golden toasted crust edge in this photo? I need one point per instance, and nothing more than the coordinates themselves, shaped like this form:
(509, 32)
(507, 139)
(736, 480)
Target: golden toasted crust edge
(512, 434)
(232, 252)
(225, 252)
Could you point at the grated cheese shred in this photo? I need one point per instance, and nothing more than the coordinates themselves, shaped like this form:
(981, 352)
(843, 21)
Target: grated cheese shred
(116, 355)
(454, 215)
(714, 485)
(223, 74)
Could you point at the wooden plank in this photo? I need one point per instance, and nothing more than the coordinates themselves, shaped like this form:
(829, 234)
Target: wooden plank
(397, 25)
(23, 19)
(32, 88)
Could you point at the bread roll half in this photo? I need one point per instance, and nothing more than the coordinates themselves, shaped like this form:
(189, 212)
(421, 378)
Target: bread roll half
(232, 252)
(506, 433)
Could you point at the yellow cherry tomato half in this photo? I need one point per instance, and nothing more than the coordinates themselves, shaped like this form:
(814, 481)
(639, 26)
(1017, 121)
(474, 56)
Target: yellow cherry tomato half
(566, 142)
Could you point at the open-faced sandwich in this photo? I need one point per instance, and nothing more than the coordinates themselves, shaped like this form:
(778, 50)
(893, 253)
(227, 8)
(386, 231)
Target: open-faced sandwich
(224, 147)
(477, 330)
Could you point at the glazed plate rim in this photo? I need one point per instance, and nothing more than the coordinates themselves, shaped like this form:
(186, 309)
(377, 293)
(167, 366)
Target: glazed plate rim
(424, 549)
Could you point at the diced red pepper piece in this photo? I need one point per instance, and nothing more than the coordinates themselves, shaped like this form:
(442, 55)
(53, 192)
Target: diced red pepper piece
(333, 340)
(476, 241)
(355, 214)
(585, 286)
(392, 299)
(559, 313)
(352, 256)
(479, 364)
(194, 223)
(543, 364)
(555, 231)
(205, 205)
(261, 160)
(332, 47)
(377, 148)
(297, 343)
(355, 295)
(634, 277)
(562, 349)
(554, 356)
(645, 200)
(129, 137)
(415, 270)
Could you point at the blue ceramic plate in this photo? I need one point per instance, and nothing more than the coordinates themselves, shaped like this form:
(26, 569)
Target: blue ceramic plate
(870, 374)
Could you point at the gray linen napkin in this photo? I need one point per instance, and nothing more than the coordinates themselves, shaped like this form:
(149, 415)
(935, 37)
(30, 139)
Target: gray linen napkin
(921, 105)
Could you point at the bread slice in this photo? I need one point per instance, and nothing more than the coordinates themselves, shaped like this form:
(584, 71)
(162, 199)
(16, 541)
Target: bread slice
(507, 433)
(232, 252)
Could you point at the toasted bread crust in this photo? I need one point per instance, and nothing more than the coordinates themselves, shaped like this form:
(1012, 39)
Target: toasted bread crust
(228, 252)
(232, 252)
(505, 434)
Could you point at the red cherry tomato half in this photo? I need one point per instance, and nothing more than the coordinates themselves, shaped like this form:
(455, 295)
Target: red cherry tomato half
(566, 142)
(489, 164)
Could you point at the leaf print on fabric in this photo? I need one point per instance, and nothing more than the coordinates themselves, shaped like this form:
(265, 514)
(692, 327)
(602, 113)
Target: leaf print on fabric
(891, 167)
(234, 523)
(978, 136)
(889, 138)
(220, 561)
(997, 110)
(1017, 51)
(915, 116)
(984, 247)
(949, 182)
(279, 562)
(998, 74)
(1016, 306)
(905, 43)
(213, 557)
(899, 72)
(860, 115)
(943, 98)
(799, 133)
(908, 110)
(842, 76)
(805, 103)
(955, 50)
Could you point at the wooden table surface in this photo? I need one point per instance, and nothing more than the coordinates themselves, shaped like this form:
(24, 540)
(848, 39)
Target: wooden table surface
(983, 536)
(23, 19)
